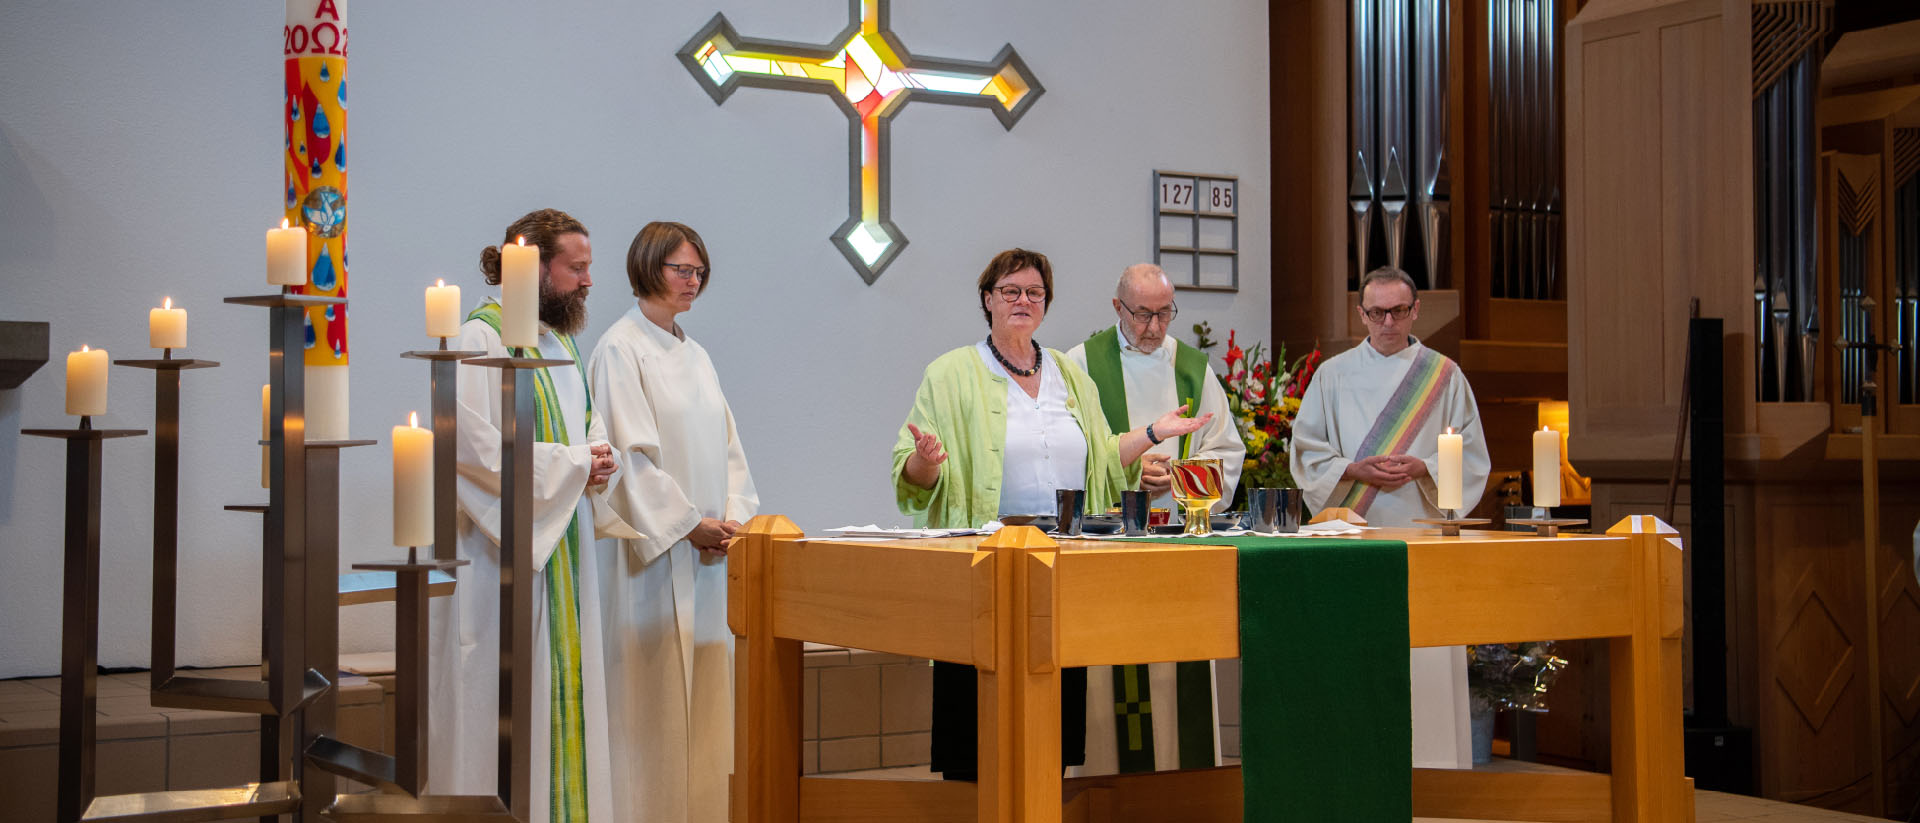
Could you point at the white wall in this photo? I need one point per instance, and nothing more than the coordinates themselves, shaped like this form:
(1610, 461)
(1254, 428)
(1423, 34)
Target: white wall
(140, 157)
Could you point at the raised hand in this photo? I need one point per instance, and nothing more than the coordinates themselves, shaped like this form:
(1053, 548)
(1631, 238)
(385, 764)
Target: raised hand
(1173, 424)
(926, 446)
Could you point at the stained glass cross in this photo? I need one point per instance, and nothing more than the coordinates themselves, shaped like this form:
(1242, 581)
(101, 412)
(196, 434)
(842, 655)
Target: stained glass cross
(870, 76)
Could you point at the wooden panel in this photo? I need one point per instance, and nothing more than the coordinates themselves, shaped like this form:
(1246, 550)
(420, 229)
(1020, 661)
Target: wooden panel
(1699, 175)
(1659, 210)
(1309, 137)
(1157, 797)
(873, 596)
(1899, 606)
(1116, 605)
(1528, 321)
(1463, 593)
(1545, 798)
(1813, 713)
(1613, 223)
(848, 800)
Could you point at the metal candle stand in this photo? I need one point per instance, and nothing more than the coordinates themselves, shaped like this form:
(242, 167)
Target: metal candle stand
(1545, 524)
(300, 604)
(512, 800)
(516, 576)
(80, 612)
(1451, 524)
(406, 769)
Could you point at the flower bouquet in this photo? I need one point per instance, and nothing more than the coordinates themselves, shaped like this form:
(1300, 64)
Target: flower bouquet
(1511, 675)
(1263, 395)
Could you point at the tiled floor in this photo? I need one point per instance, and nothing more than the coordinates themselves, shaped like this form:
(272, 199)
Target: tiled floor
(1709, 807)
(143, 748)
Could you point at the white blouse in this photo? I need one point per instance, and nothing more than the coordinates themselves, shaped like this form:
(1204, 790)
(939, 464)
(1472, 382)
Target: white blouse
(1045, 448)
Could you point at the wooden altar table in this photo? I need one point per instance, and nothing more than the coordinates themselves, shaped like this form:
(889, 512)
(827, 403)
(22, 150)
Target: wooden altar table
(1019, 607)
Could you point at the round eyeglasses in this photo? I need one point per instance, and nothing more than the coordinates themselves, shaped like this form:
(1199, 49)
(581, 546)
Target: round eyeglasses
(686, 272)
(1011, 294)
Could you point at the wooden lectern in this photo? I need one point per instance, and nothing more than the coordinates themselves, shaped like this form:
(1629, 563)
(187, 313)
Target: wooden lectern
(1018, 606)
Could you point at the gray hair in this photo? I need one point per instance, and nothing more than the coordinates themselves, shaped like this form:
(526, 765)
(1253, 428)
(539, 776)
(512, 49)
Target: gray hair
(1389, 274)
(1138, 271)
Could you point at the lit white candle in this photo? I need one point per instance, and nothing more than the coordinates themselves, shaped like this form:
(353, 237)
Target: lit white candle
(266, 433)
(87, 381)
(167, 326)
(287, 255)
(443, 309)
(1448, 478)
(1546, 468)
(520, 294)
(412, 484)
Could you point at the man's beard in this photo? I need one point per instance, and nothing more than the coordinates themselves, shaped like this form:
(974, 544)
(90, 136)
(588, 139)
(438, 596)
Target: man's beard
(564, 313)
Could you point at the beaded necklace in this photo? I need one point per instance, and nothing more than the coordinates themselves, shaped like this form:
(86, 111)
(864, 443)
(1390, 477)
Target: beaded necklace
(1009, 366)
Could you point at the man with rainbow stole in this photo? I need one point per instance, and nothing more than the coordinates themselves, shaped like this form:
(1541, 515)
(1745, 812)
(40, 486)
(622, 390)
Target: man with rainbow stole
(572, 465)
(1158, 716)
(1367, 438)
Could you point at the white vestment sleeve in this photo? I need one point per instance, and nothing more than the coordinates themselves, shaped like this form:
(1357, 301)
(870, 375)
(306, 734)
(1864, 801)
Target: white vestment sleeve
(559, 471)
(743, 501)
(646, 498)
(1315, 452)
(1219, 438)
(606, 522)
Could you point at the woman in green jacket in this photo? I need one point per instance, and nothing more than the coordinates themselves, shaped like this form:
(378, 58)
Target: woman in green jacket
(997, 427)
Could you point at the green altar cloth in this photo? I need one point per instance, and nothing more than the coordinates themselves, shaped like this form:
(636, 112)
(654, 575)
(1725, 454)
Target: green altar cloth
(1326, 723)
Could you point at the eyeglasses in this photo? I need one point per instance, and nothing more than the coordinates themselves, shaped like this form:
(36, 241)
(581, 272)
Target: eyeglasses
(1165, 316)
(1378, 315)
(687, 272)
(1011, 294)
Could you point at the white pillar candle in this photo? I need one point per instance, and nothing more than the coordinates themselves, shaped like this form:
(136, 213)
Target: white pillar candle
(87, 381)
(1448, 478)
(443, 309)
(266, 433)
(1546, 468)
(167, 326)
(287, 255)
(520, 294)
(412, 484)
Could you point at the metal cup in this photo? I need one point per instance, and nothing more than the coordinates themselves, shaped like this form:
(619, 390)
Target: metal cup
(1263, 510)
(1134, 510)
(1291, 501)
(1274, 511)
(1069, 506)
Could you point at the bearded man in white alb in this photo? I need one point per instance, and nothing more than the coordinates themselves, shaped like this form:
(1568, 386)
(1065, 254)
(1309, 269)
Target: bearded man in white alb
(571, 774)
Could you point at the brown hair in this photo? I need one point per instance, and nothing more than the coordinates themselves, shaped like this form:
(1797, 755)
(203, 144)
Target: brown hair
(648, 255)
(1388, 274)
(541, 228)
(1008, 262)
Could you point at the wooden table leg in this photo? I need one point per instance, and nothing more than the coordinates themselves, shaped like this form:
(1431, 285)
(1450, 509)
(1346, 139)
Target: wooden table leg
(1649, 782)
(1019, 691)
(767, 682)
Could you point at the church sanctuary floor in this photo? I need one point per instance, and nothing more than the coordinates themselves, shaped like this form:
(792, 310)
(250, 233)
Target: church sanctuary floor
(1708, 807)
(144, 748)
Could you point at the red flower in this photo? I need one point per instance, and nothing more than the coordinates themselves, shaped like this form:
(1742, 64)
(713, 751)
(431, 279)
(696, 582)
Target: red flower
(1234, 354)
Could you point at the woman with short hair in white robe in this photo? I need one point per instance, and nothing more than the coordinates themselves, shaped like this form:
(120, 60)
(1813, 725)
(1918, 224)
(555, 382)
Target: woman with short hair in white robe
(685, 491)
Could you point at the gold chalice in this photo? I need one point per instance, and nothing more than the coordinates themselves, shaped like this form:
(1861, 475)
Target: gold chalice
(1196, 486)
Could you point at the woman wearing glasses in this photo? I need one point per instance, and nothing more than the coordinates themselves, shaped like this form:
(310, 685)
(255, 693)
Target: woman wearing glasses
(996, 427)
(685, 491)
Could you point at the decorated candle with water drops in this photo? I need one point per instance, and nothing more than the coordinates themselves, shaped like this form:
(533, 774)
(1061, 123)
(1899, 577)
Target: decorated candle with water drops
(315, 114)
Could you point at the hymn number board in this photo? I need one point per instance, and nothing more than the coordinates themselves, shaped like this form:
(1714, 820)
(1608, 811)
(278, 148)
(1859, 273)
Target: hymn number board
(1196, 229)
